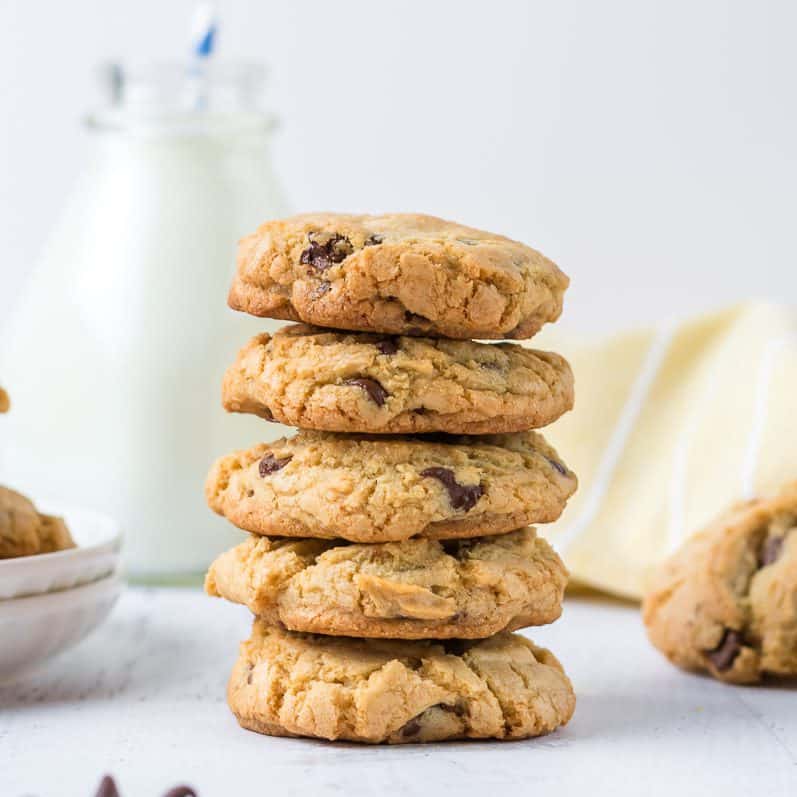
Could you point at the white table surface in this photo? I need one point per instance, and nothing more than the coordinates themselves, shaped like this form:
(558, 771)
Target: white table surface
(143, 698)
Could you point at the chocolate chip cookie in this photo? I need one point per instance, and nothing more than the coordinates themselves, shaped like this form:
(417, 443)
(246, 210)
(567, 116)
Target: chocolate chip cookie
(356, 382)
(415, 589)
(370, 489)
(727, 601)
(504, 687)
(25, 532)
(402, 274)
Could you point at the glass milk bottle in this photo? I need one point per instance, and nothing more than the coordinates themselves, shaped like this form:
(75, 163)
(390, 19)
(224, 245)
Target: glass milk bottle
(114, 354)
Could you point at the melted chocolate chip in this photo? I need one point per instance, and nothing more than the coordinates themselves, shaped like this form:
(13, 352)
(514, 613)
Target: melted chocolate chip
(457, 708)
(325, 250)
(387, 346)
(180, 791)
(375, 391)
(462, 496)
(771, 551)
(412, 727)
(107, 788)
(271, 464)
(373, 240)
(320, 289)
(723, 656)
(558, 466)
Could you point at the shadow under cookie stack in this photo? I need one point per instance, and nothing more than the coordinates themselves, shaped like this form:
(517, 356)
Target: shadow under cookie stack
(389, 558)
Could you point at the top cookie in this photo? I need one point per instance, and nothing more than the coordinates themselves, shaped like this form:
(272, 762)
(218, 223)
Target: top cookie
(355, 382)
(404, 274)
(24, 532)
(727, 601)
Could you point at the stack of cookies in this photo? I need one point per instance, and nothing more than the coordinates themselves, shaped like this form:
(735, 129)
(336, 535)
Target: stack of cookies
(389, 557)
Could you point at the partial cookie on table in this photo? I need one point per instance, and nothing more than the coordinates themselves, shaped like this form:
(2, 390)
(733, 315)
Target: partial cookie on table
(414, 589)
(26, 532)
(726, 602)
(404, 274)
(356, 382)
(371, 489)
(504, 687)
(5, 402)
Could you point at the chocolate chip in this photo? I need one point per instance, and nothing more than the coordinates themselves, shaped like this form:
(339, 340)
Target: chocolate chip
(723, 656)
(492, 366)
(271, 464)
(387, 345)
(462, 496)
(250, 668)
(375, 391)
(771, 551)
(457, 708)
(373, 240)
(412, 727)
(325, 250)
(320, 289)
(468, 241)
(558, 466)
(180, 791)
(107, 788)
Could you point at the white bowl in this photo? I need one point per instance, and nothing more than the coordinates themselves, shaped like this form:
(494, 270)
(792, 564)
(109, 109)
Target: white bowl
(99, 541)
(36, 628)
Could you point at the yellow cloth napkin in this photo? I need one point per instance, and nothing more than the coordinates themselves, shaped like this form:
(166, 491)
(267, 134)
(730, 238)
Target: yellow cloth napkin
(670, 427)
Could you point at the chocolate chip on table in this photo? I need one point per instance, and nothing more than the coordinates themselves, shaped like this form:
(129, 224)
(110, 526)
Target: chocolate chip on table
(723, 656)
(107, 787)
(387, 345)
(325, 250)
(462, 496)
(373, 240)
(558, 466)
(771, 551)
(180, 791)
(271, 464)
(375, 391)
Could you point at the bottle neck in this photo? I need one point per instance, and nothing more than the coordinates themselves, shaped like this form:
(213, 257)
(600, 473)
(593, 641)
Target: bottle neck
(182, 99)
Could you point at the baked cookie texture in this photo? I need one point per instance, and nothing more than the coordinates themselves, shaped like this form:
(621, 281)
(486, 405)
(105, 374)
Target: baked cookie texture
(414, 589)
(505, 687)
(26, 532)
(356, 382)
(726, 602)
(370, 489)
(405, 274)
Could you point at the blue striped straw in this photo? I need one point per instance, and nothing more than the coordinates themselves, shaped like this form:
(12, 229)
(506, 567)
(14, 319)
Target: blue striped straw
(204, 29)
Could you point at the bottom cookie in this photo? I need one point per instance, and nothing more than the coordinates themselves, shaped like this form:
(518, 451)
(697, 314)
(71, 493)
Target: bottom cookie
(504, 687)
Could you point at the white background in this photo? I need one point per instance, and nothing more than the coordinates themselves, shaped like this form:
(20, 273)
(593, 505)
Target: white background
(648, 147)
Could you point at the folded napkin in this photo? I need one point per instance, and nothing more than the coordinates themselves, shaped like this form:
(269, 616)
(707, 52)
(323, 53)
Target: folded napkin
(671, 426)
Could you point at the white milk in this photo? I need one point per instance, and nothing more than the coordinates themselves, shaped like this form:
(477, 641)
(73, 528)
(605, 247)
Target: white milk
(114, 356)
